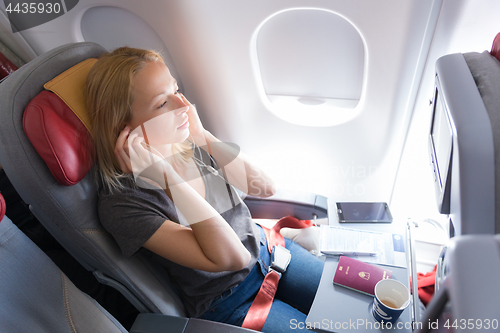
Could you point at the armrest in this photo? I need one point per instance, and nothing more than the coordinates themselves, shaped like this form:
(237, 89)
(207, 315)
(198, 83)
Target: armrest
(159, 323)
(205, 326)
(302, 205)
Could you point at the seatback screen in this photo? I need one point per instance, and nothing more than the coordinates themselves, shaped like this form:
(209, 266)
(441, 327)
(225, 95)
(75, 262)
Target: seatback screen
(442, 138)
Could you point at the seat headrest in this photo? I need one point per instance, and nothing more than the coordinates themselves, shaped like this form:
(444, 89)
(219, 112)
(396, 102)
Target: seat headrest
(70, 87)
(57, 124)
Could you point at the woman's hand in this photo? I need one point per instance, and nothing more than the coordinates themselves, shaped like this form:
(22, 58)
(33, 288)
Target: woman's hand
(135, 158)
(196, 128)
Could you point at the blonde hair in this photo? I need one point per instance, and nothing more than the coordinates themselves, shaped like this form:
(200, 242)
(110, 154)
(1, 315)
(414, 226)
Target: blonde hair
(109, 97)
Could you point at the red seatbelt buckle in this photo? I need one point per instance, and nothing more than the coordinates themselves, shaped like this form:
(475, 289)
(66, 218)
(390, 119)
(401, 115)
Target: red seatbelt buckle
(280, 258)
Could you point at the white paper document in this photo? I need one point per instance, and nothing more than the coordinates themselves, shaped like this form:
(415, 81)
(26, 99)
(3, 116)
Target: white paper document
(368, 246)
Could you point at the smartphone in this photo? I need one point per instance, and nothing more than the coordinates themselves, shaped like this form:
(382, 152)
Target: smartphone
(363, 212)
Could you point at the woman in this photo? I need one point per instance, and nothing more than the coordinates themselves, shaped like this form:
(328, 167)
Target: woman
(164, 194)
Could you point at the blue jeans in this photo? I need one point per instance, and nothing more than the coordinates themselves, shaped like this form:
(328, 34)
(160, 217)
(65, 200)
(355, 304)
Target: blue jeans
(294, 297)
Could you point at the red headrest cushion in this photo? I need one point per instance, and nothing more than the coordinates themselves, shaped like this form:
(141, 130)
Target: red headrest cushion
(495, 48)
(59, 137)
(3, 207)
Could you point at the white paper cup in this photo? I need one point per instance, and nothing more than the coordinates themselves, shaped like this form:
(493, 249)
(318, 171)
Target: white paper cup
(391, 299)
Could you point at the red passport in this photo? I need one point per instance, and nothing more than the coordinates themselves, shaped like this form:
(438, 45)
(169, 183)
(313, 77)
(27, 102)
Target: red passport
(358, 275)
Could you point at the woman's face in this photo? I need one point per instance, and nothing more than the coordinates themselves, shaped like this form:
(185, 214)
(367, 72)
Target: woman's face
(155, 95)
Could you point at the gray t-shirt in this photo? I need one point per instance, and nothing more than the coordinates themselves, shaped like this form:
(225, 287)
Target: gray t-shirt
(134, 214)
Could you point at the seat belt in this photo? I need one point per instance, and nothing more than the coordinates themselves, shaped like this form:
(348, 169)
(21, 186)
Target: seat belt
(280, 258)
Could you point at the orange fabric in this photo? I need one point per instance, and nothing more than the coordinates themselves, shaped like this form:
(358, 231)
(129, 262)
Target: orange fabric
(70, 87)
(426, 285)
(257, 314)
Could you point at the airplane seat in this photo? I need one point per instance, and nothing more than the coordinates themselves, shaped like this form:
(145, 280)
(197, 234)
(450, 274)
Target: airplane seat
(465, 140)
(464, 145)
(37, 297)
(465, 152)
(470, 292)
(69, 213)
(54, 180)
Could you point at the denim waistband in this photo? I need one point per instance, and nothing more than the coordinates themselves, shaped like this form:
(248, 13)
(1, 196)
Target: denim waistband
(256, 274)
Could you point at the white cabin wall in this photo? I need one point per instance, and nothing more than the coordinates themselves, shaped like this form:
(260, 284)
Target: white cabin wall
(463, 26)
(210, 44)
(352, 161)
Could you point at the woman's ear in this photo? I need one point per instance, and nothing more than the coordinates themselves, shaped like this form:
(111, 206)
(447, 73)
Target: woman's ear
(124, 124)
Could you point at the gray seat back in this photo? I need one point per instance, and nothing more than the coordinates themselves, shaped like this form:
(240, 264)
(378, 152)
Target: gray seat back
(485, 70)
(37, 297)
(472, 186)
(69, 213)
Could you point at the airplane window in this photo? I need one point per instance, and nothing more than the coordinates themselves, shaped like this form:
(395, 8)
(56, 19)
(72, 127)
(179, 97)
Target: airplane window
(310, 66)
